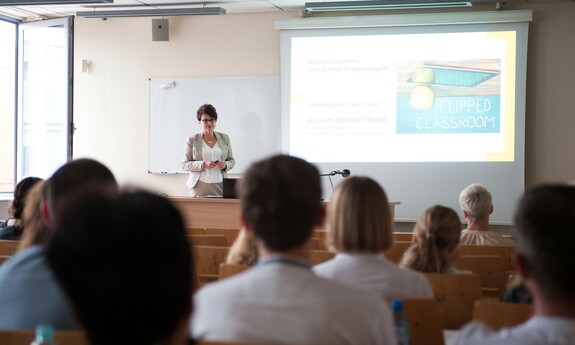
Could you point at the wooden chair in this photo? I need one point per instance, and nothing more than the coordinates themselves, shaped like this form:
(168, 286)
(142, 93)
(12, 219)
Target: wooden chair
(195, 231)
(491, 272)
(507, 252)
(402, 236)
(207, 260)
(209, 240)
(499, 315)
(425, 326)
(456, 295)
(227, 270)
(395, 253)
(319, 256)
(3, 258)
(8, 247)
(231, 234)
(25, 337)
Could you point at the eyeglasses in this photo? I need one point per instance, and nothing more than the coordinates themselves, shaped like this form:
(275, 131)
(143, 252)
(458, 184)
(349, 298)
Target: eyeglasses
(207, 120)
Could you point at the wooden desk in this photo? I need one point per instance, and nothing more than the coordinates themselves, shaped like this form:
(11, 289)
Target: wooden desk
(218, 212)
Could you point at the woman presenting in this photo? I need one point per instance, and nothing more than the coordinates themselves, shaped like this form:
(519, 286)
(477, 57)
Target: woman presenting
(208, 156)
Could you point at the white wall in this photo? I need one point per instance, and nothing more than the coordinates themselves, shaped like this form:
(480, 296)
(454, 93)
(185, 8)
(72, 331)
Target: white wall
(4, 204)
(111, 102)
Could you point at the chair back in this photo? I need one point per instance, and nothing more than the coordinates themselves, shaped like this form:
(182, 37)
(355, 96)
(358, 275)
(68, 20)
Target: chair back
(209, 240)
(3, 258)
(456, 295)
(395, 253)
(25, 337)
(424, 319)
(8, 247)
(207, 260)
(319, 256)
(402, 236)
(507, 252)
(195, 231)
(491, 271)
(231, 234)
(499, 315)
(227, 270)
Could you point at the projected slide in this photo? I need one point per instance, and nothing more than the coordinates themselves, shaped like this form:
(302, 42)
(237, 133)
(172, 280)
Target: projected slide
(437, 97)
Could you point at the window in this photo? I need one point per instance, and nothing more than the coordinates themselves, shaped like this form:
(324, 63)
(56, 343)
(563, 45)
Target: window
(35, 111)
(7, 104)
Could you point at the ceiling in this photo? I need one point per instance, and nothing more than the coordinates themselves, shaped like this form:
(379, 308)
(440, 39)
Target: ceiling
(31, 13)
(39, 12)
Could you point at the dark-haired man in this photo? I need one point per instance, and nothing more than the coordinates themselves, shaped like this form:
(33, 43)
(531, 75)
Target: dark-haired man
(280, 300)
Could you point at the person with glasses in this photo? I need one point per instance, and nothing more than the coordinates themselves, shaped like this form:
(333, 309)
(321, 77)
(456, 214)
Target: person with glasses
(208, 156)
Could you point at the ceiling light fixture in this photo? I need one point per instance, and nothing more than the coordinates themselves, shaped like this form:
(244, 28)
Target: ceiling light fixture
(49, 2)
(382, 5)
(153, 12)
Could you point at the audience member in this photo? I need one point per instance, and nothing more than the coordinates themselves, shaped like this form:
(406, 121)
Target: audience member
(36, 231)
(12, 228)
(29, 293)
(280, 300)
(134, 287)
(544, 239)
(360, 229)
(244, 250)
(436, 236)
(475, 201)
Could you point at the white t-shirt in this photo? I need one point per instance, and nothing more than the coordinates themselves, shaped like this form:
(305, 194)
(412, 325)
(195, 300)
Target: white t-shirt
(375, 273)
(539, 330)
(280, 301)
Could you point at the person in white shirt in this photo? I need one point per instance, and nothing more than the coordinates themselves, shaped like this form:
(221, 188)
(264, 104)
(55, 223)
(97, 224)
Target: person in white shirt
(360, 229)
(280, 300)
(476, 204)
(544, 238)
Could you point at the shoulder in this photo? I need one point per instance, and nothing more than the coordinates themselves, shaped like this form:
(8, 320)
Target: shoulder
(475, 333)
(30, 262)
(11, 232)
(223, 136)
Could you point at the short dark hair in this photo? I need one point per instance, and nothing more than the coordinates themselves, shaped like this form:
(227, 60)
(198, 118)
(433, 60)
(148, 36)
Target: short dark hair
(20, 192)
(126, 266)
(207, 109)
(80, 175)
(545, 235)
(280, 200)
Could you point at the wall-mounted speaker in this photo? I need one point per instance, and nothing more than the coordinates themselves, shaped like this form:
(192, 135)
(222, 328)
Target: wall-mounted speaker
(160, 30)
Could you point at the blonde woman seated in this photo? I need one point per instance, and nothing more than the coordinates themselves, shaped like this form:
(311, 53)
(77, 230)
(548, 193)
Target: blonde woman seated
(436, 239)
(244, 250)
(476, 204)
(360, 229)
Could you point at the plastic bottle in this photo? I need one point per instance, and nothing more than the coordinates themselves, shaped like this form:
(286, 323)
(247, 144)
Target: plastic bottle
(44, 336)
(400, 321)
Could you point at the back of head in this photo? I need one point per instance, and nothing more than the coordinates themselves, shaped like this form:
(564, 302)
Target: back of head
(78, 176)
(437, 230)
(20, 192)
(359, 218)
(35, 231)
(545, 235)
(280, 200)
(126, 266)
(476, 201)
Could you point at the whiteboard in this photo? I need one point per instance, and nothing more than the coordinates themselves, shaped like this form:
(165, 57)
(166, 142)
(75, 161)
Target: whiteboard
(248, 111)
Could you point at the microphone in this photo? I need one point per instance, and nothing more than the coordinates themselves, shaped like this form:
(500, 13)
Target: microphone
(343, 173)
